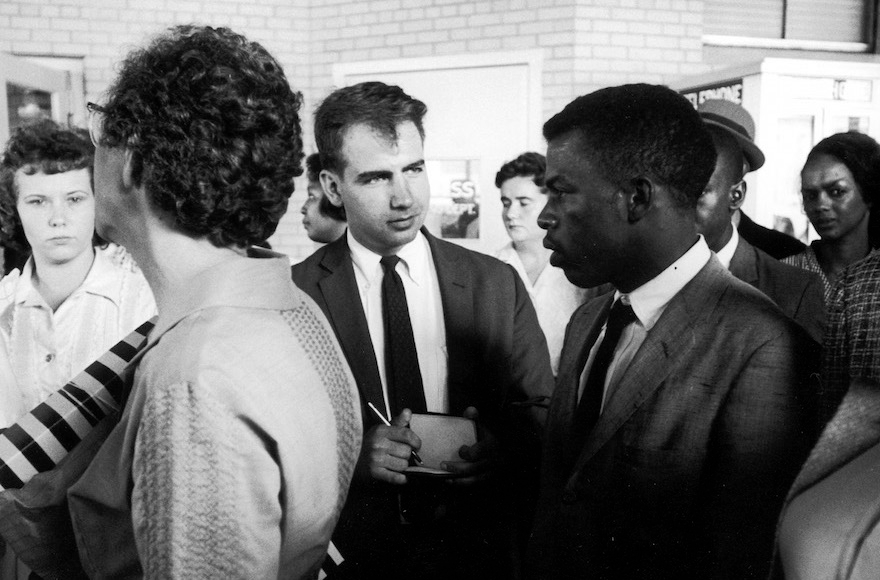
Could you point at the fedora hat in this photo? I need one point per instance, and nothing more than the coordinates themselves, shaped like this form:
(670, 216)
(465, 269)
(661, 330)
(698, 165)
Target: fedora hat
(736, 120)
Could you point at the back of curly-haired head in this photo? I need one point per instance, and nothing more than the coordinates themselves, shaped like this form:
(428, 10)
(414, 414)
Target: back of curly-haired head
(40, 147)
(214, 129)
(861, 155)
(528, 164)
(377, 105)
(640, 129)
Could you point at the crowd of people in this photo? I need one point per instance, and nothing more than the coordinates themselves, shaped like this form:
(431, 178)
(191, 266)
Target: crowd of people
(648, 391)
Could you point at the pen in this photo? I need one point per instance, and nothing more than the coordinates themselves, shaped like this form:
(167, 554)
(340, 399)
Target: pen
(415, 455)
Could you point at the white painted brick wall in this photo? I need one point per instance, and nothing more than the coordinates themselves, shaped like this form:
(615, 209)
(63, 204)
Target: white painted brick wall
(587, 44)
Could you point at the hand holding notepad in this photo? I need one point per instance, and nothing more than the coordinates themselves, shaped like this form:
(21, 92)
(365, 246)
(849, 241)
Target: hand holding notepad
(442, 437)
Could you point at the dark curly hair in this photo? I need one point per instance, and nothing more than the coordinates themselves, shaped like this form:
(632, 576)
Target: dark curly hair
(642, 129)
(42, 146)
(214, 129)
(379, 106)
(861, 155)
(313, 171)
(528, 164)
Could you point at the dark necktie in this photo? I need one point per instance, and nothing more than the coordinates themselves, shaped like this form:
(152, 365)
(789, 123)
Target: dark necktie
(590, 404)
(402, 374)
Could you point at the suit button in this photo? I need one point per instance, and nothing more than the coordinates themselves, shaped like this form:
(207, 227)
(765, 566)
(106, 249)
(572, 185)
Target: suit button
(569, 497)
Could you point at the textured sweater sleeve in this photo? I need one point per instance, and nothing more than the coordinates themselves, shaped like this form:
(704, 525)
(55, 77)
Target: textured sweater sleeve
(188, 500)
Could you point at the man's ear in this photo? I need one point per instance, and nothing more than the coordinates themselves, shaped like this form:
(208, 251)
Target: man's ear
(640, 198)
(737, 195)
(330, 185)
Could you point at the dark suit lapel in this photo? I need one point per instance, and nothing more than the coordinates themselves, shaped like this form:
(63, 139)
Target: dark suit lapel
(744, 264)
(584, 330)
(456, 294)
(665, 345)
(340, 292)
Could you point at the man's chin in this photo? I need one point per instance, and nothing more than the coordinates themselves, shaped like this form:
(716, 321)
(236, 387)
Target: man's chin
(578, 277)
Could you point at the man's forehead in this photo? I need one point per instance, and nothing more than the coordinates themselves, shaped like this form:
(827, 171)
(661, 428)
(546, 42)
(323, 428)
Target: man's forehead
(383, 135)
(362, 139)
(568, 148)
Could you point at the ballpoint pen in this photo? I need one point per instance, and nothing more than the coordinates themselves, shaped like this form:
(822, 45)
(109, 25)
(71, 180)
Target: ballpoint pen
(414, 455)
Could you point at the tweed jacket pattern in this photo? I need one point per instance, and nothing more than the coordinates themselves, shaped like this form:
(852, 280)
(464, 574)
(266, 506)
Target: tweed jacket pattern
(798, 293)
(686, 469)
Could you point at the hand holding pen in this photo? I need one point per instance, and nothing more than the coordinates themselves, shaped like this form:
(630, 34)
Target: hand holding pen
(413, 455)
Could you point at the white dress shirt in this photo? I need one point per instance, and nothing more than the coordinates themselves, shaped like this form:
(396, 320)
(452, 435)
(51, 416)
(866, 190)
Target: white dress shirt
(554, 297)
(648, 302)
(416, 270)
(725, 254)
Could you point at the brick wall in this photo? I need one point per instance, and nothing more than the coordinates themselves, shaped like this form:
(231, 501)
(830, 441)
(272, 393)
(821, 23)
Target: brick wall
(586, 44)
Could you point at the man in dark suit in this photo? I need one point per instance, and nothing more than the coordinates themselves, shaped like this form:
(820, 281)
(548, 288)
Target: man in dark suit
(738, 122)
(797, 292)
(478, 344)
(682, 412)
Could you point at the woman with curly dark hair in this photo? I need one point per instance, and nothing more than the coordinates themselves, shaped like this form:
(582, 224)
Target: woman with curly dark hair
(840, 182)
(71, 300)
(241, 430)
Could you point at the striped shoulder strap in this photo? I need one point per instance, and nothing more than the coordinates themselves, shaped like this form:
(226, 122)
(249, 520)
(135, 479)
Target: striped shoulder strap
(40, 439)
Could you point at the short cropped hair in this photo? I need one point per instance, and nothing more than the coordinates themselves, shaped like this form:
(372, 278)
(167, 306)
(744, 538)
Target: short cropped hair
(313, 172)
(377, 105)
(42, 146)
(642, 129)
(861, 155)
(529, 164)
(214, 129)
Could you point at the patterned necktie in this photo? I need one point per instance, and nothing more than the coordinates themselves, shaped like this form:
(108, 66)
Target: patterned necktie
(402, 373)
(590, 405)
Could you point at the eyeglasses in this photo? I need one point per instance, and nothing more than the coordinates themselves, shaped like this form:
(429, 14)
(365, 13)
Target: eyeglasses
(96, 118)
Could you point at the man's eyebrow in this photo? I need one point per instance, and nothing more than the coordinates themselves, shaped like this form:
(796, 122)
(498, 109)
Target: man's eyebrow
(415, 165)
(553, 180)
(370, 175)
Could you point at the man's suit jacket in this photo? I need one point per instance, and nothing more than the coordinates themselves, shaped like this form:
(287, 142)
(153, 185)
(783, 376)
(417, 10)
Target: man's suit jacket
(497, 356)
(777, 244)
(798, 293)
(686, 469)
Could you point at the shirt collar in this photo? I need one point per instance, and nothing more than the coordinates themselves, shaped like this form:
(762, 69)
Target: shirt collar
(725, 254)
(101, 280)
(650, 299)
(253, 282)
(415, 256)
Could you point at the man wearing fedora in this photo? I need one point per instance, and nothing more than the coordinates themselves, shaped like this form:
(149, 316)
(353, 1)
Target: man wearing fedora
(738, 121)
(797, 292)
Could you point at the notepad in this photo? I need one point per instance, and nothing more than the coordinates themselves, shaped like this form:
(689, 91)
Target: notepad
(442, 436)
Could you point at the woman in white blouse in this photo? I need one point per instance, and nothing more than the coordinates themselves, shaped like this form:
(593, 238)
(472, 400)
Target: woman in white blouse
(521, 182)
(74, 297)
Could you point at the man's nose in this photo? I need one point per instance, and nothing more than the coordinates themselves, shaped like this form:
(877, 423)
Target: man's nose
(401, 196)
(546, 220)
